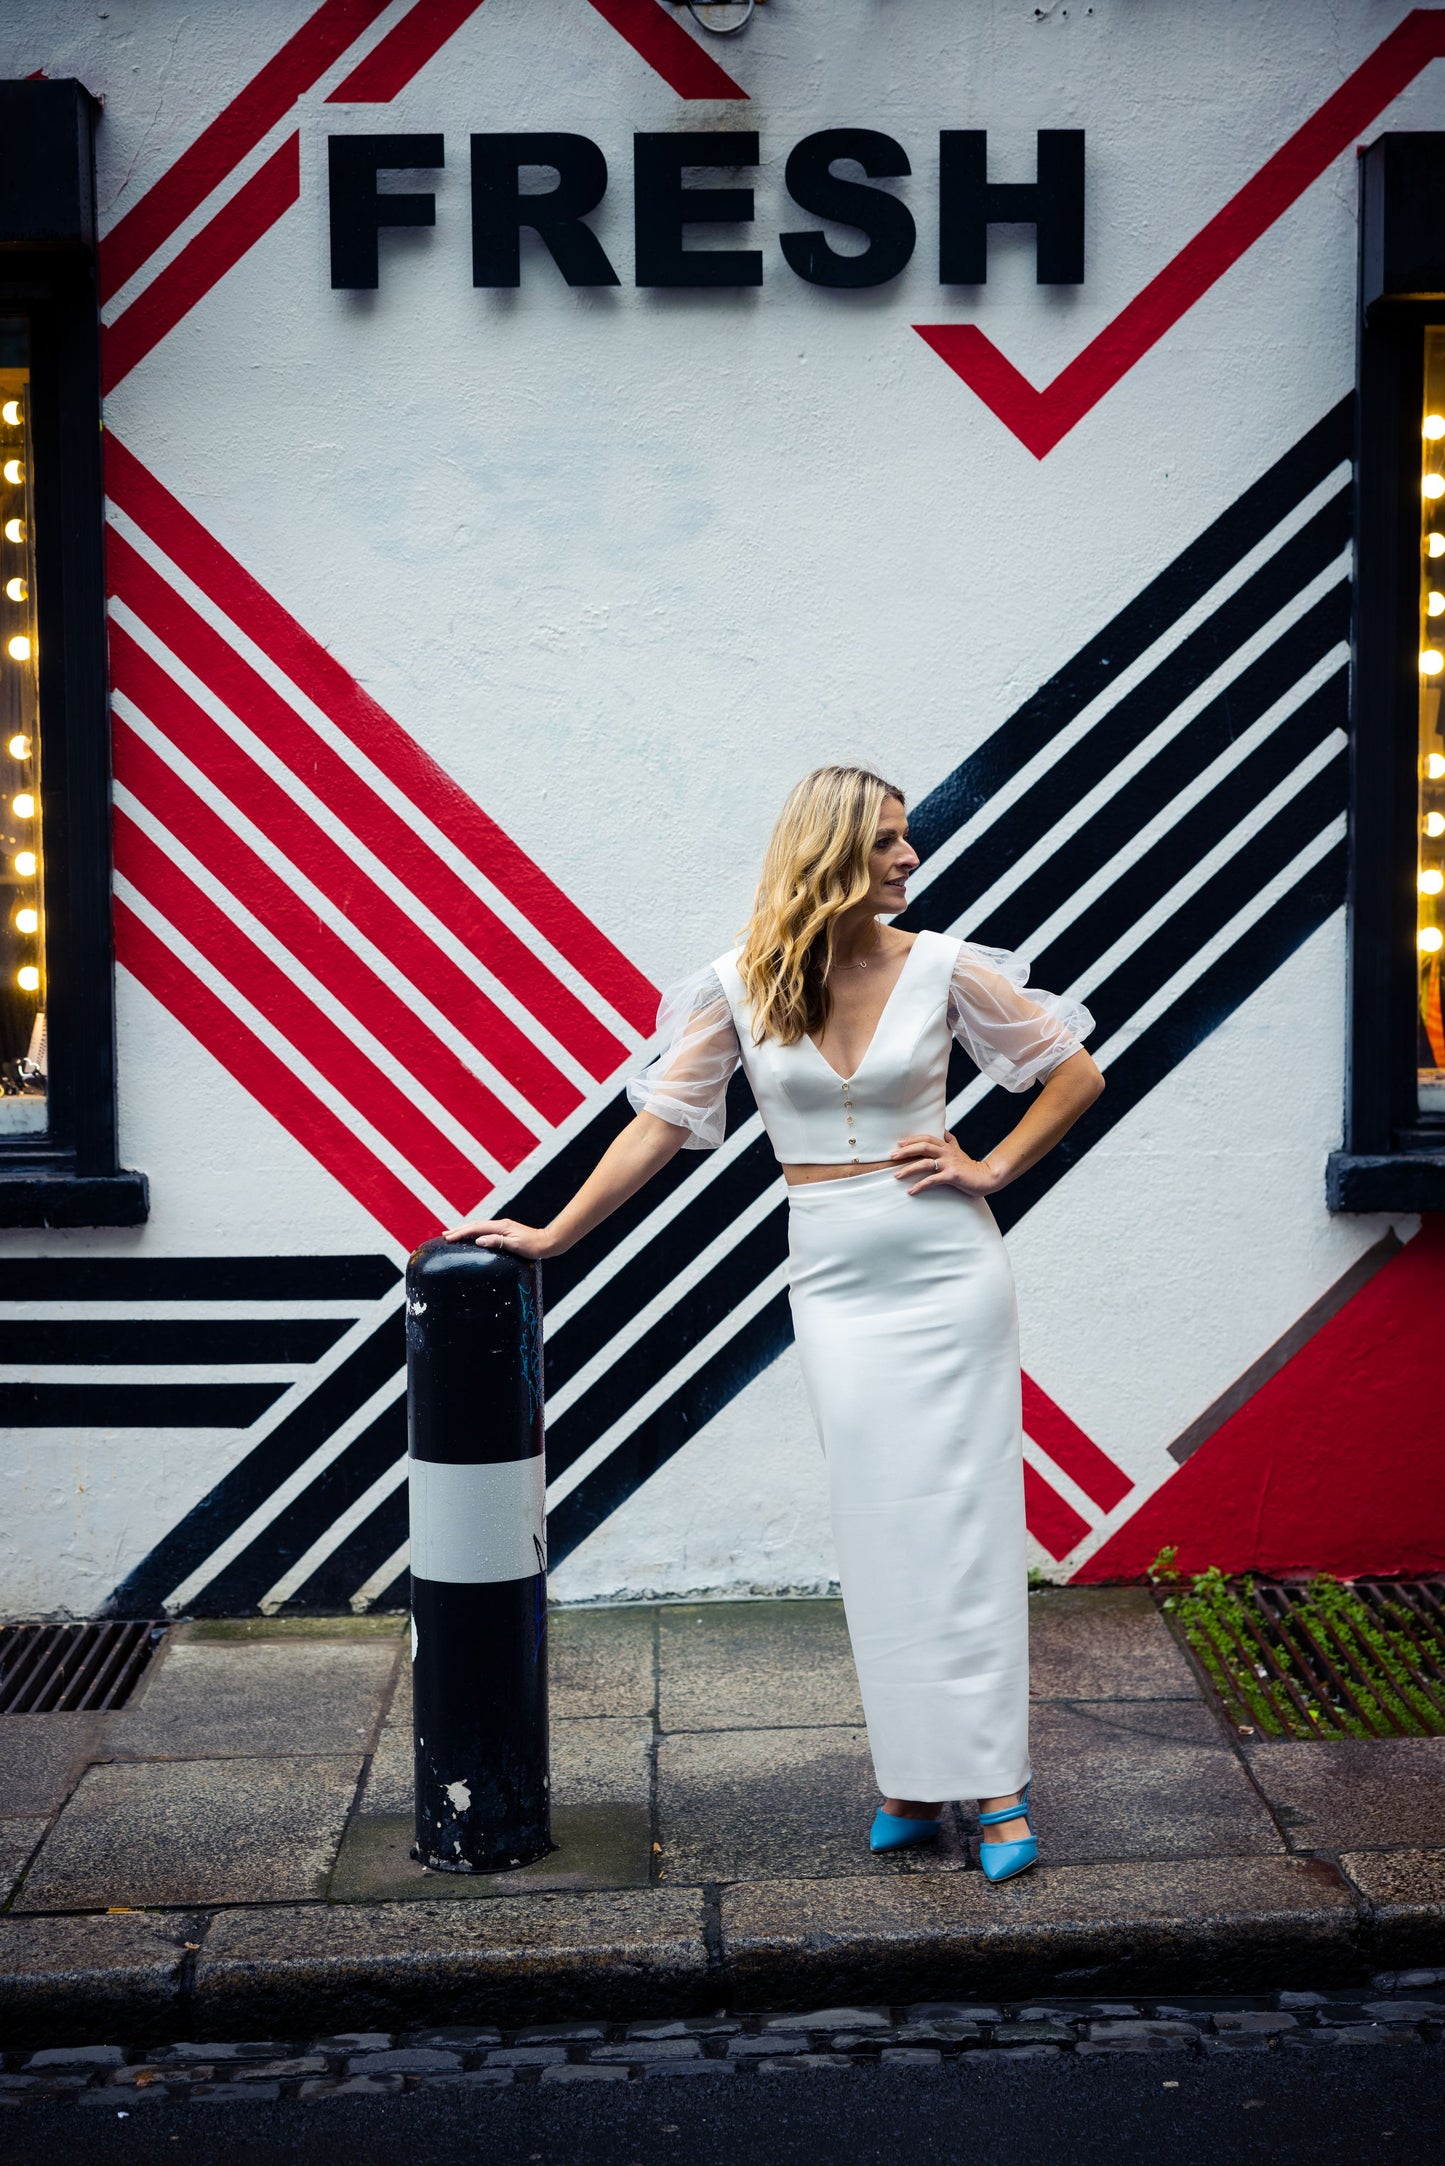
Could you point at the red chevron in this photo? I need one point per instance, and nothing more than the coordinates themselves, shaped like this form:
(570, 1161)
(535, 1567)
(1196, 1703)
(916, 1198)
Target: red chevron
(262, 1076)
(1054, 1525)
(1039, 419)
(321, 677)
(1072, 1452)
(216, 936)
(287, 76)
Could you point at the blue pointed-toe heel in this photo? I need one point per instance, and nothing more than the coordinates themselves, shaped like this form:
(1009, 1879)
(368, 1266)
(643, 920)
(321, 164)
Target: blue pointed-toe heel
(890, 1831)
(1000, 1861)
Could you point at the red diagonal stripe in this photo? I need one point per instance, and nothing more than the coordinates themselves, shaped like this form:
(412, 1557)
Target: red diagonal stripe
(1072, 1452)
(329, 867)
(1054, 1525)
(202, 263)
(1039, 419)
(262, 1076)
(356, 804)
(313, 942)
(398, 756)
(290, 1011)
(661, 41)
(235, 131)
(403, 52)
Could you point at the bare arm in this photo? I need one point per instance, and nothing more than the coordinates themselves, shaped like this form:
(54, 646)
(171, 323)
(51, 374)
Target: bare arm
(644, 1147)
(1069, 1091)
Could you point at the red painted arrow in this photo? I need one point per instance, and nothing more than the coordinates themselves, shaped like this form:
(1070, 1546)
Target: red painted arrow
(1039, 419)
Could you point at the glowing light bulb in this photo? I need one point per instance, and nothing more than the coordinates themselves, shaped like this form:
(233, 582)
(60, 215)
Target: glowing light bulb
(1435, 823)
(27, 921)
(13, 471)
(1432, 661)
(1430, 939)
(1435, 766)
(1434, 603)
(1434, 427)
(23, 806)
(19, 648)
(25, 864)
(17, 590)
(1435, 545)
(1432, 486)
(19, 748)
(1432, 880)
(27, 977)
(15, 530)
(10, 413)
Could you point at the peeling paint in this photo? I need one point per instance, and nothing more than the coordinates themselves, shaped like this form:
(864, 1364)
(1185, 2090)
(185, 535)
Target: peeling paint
(460, 1797)
(416, 1306)
(413, 1639)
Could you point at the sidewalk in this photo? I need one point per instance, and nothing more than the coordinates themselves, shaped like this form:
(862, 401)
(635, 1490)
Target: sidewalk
(227, 1856)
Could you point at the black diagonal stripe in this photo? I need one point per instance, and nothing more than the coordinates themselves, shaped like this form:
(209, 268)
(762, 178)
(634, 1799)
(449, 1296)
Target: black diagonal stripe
(653, 1442)
(320, 1414)
(1210, 1000)
(1219, 812)
(135, 1406)
(694, 1313)
(196, 1278)
(1083, 766)
(351, 1564)
(717, 1205)
(1182, 583)
(221, 1340)
(1135, 981)
(1176, 765)
(242, 1583)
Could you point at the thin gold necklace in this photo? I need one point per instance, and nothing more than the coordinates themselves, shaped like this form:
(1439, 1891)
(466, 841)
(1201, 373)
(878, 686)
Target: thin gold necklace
(860, 962)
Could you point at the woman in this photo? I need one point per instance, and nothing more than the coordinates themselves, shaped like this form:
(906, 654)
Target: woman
(902, 1296)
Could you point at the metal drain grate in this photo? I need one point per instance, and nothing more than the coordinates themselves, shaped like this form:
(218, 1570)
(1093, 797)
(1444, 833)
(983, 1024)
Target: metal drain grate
(1327, 1658)
(48, 1669)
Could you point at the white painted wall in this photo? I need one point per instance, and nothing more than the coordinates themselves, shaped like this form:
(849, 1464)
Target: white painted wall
(626, 563)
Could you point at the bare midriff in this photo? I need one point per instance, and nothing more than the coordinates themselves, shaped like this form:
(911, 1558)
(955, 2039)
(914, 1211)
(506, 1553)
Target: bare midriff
(795, 1176)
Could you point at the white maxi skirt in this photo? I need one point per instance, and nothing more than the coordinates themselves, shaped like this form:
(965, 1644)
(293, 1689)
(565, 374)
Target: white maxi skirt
(907, 1331)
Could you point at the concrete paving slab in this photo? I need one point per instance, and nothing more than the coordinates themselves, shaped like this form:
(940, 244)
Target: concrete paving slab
(1152, 1779)
(42, 1758)
(764, 1665)
(1405, 1892)
(766, 1804)
(388, 1625)
(1104, 1643)
(601, 1661)
(77, 1978)
(1355, 1793)
(190, 1832)
(17, 1839)
(601, 1822)
(1196, 1925)
(637, 1952)
(252, 1696)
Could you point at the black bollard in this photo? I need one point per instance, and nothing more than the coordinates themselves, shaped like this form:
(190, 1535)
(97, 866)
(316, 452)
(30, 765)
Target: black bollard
(478, 1557)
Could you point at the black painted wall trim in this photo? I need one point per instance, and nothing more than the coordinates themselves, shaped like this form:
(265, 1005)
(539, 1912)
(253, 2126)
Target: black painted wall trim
(1387, 1163)
(71, 1176)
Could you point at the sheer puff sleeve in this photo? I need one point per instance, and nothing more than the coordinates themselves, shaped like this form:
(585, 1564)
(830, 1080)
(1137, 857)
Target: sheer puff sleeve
(687, 1083)
(1016, 1038)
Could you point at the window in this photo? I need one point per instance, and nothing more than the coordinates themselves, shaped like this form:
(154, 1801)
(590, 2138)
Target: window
(58, 1156)
(1430, 811)
(22, 930)
(1394, 1145)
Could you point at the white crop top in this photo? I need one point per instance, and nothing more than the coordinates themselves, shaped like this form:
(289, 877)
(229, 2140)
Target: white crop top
(815, 1117)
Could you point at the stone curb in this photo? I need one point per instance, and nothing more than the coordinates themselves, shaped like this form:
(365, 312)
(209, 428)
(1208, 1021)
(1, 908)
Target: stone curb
(1394, 2010)
(1180, 1926)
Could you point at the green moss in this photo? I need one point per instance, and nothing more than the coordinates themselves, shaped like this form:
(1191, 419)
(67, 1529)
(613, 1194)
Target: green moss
(1328, 1628)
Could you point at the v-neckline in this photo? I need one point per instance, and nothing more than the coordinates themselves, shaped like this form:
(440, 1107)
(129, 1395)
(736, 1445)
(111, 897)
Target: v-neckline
(882, 1015)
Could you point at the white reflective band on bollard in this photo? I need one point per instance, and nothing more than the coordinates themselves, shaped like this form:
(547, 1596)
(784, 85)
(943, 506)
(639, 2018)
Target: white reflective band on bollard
(471, 1525)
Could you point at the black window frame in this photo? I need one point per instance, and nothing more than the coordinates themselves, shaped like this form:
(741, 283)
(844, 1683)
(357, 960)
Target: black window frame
(1393, 1157)
(70, 1176)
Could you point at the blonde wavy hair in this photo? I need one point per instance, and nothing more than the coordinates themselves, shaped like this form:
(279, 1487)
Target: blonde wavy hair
(816, 867)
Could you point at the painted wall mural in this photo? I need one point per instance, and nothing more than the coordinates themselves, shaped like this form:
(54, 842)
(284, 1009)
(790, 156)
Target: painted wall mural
(400, 944)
